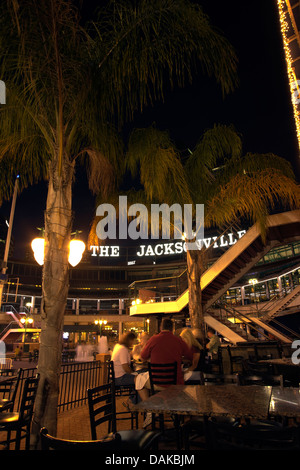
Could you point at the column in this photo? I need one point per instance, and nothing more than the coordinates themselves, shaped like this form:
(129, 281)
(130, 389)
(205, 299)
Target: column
(243, 294)
(77, 307)
(121, 306)
(279, 285)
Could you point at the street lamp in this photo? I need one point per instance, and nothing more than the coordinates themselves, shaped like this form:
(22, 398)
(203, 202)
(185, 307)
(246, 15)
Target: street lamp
(253, 282)
(25, 321)
(100, 323)
(76, 249)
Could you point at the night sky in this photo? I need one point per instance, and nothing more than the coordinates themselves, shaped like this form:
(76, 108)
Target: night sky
(260, 108)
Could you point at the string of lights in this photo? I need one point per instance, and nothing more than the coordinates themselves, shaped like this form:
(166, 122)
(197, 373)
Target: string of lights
(290, 33)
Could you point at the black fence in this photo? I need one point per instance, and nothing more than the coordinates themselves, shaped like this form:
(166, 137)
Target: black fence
(75, 379)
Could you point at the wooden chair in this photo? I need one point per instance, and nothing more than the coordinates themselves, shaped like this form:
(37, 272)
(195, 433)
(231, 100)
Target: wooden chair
(5, 363)
(235, 360)
(8, 390)
(20, 422)
(102, 410)
(220, 379)
(125, 391)
(163, 375)
(110, 443)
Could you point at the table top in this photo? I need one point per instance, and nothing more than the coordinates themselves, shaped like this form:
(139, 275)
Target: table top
(285, 402)
(214, 400)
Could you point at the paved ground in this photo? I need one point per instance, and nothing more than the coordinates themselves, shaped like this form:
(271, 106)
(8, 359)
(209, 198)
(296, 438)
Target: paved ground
(74, 423)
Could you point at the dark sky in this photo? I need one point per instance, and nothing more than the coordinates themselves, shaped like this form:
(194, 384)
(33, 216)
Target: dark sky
(260, 108)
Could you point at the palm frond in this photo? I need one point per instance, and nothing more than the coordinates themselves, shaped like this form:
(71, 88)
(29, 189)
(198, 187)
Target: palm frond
(139, 47)
(252, 196)
(153, 156)
(218, 147)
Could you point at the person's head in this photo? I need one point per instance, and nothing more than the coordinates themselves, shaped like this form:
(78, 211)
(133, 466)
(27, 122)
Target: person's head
(210, 332)
(144, 337)
(127, 339)
(189, 338)
(166, 325)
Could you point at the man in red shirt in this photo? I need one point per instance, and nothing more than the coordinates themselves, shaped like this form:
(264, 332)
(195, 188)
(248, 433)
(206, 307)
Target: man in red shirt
(166, 348)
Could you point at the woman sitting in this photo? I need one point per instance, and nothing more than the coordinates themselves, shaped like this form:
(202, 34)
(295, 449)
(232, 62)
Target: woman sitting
(192, 374)
(121, 357)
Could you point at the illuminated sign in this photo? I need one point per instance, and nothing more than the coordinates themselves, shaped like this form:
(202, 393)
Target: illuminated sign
(170, 248)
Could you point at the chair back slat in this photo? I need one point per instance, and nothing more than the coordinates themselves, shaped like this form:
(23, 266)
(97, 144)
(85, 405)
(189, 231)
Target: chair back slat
(162, 374)
(101, 407)
(28, 398)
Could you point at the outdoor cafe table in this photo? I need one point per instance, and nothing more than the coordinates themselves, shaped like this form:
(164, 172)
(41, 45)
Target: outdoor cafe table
(214, 400)
(285, 402)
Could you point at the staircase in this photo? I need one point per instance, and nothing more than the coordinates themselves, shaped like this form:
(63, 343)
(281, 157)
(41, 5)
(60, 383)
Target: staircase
(232, 331)
(282, 304)
(229, 268)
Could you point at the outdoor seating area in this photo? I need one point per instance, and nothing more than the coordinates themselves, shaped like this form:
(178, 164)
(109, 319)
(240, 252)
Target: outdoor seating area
(149, 227)
(222, 411)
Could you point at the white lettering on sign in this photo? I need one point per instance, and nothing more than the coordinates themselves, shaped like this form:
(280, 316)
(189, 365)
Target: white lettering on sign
(171, 248)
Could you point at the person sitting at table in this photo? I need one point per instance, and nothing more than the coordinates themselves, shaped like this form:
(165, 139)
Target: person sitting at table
(136, 352)
(193, 371)
(121, 357)
(213, 344)
(165, 348)
(162, 348)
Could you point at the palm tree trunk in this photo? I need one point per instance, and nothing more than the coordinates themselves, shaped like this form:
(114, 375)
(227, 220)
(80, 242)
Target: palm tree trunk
(195, 268)
(58, 223)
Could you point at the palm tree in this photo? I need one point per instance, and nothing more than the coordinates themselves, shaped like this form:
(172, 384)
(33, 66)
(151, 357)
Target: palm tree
(69, 86)
(231, 186)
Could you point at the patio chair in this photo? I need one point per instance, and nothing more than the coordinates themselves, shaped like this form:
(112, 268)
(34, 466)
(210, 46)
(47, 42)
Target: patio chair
(102, 410)
(124, 391)
(109, 443)
(161, 376)
(20, 422)
(8, 390)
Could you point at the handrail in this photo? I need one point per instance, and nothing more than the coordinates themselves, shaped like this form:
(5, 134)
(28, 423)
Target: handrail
(284, 327)
(11, 307)
(241, 316)
(8, 327)
(157, 279)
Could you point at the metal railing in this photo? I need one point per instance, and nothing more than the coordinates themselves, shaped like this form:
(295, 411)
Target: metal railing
(170, 287)
(75, 379)
(231, 311)
(227, 311)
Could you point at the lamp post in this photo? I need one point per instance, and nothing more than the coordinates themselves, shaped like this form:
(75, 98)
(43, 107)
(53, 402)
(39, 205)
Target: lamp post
(25, 321)
(8, 238)
(253, 282)
(100, 323)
